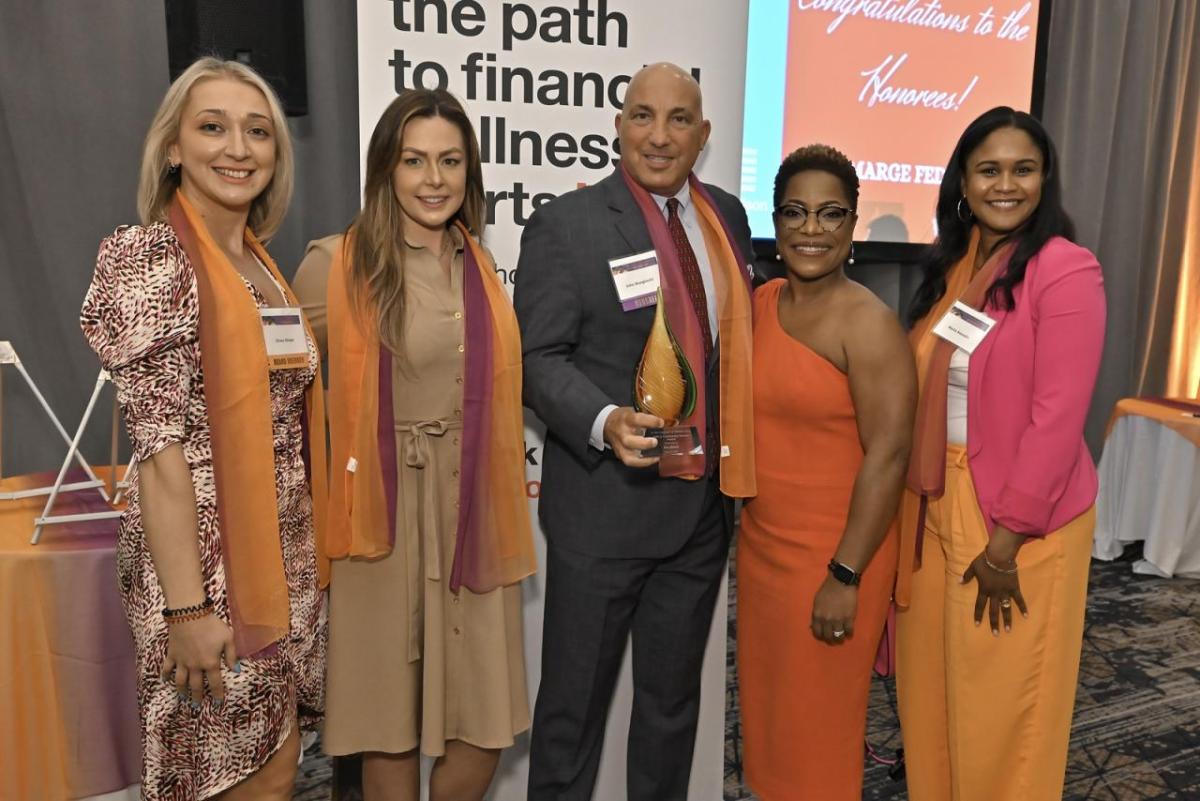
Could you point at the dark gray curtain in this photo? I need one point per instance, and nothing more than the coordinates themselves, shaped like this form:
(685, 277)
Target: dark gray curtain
(1123, 107)
(79, 83)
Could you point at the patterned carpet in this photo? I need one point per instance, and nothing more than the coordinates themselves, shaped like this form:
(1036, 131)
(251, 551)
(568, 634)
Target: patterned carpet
(1136, 735)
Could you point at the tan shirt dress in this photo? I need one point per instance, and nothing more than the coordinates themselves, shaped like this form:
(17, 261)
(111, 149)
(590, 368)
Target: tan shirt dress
(410, 663)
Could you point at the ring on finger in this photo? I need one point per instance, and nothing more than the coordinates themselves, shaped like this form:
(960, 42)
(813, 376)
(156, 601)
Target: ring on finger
(1006, 603)
(839, 634)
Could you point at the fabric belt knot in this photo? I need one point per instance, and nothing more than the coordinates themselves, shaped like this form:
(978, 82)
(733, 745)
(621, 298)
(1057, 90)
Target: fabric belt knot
(421, 526)
(416, 449)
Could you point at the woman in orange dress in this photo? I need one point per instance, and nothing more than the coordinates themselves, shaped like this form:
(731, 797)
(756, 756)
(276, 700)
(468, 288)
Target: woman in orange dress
(834, 397)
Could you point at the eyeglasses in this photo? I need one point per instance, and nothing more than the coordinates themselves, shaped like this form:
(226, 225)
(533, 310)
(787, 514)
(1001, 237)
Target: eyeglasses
(793, 216)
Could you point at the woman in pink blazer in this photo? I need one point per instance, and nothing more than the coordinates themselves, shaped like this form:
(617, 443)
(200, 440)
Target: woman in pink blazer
(1008, 328)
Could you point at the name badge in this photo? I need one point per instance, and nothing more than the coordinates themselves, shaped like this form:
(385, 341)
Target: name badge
(964, 327)
(283, 331)
(636, 279)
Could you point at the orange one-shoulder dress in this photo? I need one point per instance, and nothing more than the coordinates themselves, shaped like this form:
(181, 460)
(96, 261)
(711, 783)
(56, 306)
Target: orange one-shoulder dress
(803, 702)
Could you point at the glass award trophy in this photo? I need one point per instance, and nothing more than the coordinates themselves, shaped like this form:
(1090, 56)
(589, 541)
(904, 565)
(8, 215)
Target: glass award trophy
(665, 387)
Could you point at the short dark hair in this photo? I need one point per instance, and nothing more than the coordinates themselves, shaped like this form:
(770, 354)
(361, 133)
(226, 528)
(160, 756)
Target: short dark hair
(818, 157)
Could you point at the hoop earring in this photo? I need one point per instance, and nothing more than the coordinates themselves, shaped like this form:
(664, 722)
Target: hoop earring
(850, 261)
(959, 210)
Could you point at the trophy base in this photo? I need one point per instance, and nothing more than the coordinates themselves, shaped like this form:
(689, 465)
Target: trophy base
(675, 441)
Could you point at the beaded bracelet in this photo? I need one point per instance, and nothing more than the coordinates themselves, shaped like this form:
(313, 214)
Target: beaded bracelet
(189, 616)
(204, 606)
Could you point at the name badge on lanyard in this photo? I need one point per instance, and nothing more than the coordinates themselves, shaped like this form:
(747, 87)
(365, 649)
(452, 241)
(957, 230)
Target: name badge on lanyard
(283, 332)
(636, 280)
(964, 327)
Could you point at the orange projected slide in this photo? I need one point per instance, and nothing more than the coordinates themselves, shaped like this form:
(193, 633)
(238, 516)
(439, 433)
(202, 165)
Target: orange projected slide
(892, 84)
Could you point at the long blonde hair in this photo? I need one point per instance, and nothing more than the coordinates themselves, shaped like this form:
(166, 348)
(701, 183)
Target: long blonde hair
(377, 258)
(157, 183)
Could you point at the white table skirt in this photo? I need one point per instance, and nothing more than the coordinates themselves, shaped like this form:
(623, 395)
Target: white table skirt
(1150, 491)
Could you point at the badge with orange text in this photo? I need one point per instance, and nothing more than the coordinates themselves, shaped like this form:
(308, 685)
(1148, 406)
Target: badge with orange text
(283, 330)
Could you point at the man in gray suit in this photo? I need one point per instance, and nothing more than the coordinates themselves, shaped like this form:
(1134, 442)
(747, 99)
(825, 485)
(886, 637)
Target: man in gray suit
(629, 551)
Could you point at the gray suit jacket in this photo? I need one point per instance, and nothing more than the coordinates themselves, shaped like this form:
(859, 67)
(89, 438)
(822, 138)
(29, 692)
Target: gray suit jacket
(581, 351)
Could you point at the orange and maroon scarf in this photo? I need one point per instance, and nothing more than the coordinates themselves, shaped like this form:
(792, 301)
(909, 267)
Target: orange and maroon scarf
(237, 392)
(927, 465)
(734, 339)
(493, 541)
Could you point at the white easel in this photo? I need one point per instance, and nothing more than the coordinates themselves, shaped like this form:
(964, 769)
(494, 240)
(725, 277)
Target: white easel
(8, 355)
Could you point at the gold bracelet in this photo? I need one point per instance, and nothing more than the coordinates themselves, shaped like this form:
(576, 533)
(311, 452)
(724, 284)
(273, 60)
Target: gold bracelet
(988, 562)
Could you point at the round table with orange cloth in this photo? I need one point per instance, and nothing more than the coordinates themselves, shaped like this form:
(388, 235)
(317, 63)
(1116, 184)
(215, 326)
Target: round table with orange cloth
(804, 703)
(68, 711)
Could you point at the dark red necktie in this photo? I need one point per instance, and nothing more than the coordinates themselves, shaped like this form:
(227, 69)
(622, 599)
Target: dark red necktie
(691, 276)
(695, 286)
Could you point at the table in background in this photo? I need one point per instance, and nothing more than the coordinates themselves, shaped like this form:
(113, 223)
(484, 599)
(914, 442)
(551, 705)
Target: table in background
(1150, 486)
(68, 703)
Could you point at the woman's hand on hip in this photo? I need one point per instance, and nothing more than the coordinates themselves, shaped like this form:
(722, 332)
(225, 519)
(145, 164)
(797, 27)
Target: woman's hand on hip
(833, 613)
(995, 570)
(194, 652)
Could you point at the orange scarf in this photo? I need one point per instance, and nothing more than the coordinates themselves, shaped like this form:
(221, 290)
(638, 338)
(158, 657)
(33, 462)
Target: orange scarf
(237, 392)
(735, 338)
(494, 541)
(927, 466)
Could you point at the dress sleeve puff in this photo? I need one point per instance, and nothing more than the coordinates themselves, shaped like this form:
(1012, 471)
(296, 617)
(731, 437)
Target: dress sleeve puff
(142, 317)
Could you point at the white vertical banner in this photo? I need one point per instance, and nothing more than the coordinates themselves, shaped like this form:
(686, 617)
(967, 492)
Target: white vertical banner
(542, 82)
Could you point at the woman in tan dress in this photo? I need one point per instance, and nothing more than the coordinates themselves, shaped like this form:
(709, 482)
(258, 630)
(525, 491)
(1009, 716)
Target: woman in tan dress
(428, 519)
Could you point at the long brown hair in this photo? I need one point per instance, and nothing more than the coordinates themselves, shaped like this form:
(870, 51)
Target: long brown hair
(377, 256)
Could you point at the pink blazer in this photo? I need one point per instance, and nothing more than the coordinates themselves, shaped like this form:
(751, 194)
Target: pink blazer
(1028, 390)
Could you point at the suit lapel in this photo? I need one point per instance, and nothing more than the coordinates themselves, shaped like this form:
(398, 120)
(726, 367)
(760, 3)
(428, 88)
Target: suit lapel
(978, 368)
(632, 227)
(627, 217)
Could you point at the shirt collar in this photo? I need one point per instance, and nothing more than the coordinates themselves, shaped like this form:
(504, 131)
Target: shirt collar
(684, 196)
(455, 236)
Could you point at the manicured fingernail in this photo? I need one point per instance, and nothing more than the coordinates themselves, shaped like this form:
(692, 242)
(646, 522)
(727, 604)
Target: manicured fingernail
(1007, 628)
(995, 632)
(194, 703)
(237, 666)
(218, 702)
(1025, 614)
(977, 623)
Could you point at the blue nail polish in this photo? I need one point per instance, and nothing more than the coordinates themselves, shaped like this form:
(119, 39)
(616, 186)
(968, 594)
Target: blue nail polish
(237, 666)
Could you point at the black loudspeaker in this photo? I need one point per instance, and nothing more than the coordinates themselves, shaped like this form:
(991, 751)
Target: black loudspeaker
(267, 35)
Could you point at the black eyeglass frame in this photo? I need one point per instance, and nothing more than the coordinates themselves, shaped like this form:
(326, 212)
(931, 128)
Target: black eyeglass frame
(804, 212)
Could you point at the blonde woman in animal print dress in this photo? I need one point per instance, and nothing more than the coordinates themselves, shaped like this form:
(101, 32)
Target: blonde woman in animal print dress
(217, 561)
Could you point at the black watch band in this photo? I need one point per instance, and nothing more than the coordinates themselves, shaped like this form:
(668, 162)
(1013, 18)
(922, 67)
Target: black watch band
(844, 573)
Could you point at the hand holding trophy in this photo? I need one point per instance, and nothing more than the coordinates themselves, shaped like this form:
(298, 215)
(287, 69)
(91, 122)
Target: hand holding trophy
(665, 386)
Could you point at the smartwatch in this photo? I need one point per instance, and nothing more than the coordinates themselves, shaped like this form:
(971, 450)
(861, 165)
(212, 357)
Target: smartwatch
(844, 573)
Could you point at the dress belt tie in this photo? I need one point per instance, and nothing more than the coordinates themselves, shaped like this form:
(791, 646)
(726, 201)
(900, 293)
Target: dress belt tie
(422, 526)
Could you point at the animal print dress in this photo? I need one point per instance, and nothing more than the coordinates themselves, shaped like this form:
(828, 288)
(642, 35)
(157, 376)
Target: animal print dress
(141, 316)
